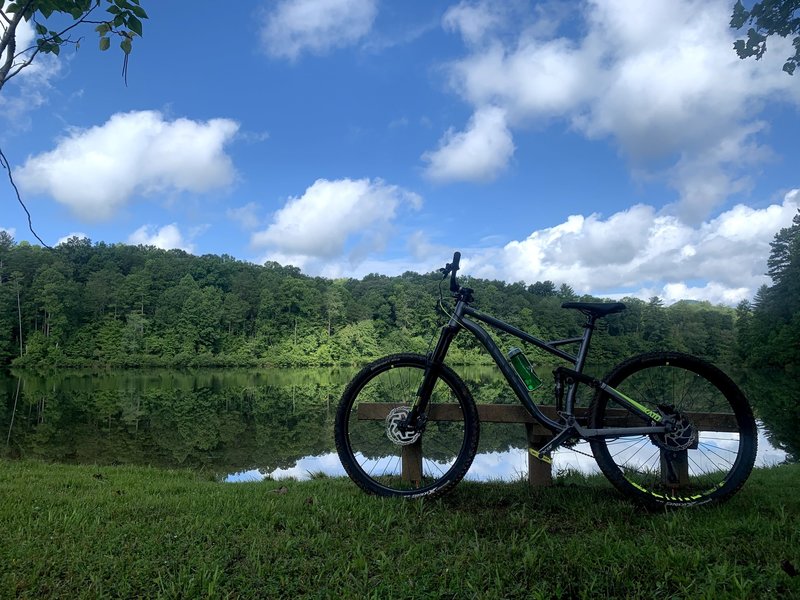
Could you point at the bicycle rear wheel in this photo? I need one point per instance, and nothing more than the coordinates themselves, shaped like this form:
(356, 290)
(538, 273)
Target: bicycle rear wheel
(383, 460)
(708, 457)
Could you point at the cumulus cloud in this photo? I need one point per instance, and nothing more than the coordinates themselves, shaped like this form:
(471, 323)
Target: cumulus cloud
(98, 170)
(662, 83)
(167, 237)
(332, 214)
(476, 154)
(642, 252)
(316, 26)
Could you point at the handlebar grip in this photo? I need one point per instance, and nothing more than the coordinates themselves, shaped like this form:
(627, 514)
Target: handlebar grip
(454, 287)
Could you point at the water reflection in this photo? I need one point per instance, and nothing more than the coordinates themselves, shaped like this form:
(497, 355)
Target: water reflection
(249, 425)
(506, 465)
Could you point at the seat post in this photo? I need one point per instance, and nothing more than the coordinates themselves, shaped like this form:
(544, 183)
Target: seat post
(587, 338)
(580, 360)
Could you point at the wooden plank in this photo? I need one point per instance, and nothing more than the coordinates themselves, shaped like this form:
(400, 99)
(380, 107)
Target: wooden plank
(490, 413)
(516, 413)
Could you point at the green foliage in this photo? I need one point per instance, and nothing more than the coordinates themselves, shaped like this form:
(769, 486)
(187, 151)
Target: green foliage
(769, 329)
(129, 306)
(767, 17)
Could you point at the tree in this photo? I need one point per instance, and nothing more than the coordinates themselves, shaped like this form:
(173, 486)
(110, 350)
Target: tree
(544, 289)
(122, 18)
(767, 17)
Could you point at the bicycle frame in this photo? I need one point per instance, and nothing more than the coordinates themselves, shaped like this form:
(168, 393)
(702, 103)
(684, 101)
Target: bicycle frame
(562, 431)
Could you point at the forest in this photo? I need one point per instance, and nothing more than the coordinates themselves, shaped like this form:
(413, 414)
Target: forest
(84, 305)
(114, 305)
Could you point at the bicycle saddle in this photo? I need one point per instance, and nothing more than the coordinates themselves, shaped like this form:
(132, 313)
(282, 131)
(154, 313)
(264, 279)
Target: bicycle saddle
(596, 309)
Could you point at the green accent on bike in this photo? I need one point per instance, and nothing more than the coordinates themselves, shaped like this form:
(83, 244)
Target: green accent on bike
(542, 457)
(678, 498)
(653, 415)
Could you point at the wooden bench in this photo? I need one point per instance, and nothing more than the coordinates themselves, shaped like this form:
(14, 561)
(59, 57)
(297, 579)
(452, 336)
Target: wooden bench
(539, 472)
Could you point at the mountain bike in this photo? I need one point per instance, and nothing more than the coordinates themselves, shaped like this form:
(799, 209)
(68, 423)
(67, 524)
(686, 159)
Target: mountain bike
(665, 428)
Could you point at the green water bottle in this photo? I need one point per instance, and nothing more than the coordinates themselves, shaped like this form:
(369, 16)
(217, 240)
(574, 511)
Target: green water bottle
(524, 368)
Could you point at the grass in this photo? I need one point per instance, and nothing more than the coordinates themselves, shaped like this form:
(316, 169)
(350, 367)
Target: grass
(94, 532)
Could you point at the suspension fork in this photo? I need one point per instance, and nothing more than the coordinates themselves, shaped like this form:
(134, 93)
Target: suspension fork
(433, 366)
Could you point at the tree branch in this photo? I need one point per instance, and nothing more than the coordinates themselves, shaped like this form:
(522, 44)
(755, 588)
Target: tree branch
(5, 164)
(6, 71)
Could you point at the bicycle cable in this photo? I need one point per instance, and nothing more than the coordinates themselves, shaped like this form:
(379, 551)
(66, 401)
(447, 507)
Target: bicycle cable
(442, 311)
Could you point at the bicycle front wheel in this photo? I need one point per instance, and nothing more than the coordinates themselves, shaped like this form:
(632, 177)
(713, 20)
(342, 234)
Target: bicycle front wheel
(708, 456)
(380, 457)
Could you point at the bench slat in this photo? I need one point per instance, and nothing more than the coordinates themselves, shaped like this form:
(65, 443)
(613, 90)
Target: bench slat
(516, 413)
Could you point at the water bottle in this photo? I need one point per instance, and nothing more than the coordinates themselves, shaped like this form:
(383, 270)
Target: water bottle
(524, 369)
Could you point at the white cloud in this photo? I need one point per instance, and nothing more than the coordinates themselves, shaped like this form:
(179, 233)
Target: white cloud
(167, 237)
(316, 26)
(329, 215)
(474, 21)
(642, 252)
(661, 81)
(477, 154)
(96, 171)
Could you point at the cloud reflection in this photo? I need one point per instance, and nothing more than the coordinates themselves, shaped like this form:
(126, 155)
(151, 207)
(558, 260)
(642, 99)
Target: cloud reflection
(510, 465)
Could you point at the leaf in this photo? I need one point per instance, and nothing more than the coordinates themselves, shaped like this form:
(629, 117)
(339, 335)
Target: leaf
(41, 29)
(103, 28)
(105, 43)
(139, 12)
(55, 49)
(135, 25)
(126, 45)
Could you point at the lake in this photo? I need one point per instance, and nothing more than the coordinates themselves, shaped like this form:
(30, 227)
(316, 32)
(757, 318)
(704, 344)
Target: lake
(240, 425)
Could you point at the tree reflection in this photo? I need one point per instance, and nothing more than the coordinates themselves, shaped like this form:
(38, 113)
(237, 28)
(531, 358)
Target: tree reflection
(775, 398)
(235, 420)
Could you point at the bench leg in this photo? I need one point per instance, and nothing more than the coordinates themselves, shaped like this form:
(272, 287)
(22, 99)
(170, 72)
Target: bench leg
(540, 473)
(411, 462)
(675, 468)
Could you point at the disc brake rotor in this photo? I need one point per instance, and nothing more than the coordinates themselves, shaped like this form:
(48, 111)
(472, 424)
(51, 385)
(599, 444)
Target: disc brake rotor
(394, 419)
(683, 437)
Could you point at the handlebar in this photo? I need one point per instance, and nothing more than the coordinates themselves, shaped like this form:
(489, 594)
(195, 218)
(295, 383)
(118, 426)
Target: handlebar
(454, 287)
(451, 269)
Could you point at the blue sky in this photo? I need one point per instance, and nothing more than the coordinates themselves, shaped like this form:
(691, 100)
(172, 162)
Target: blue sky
(617, 146)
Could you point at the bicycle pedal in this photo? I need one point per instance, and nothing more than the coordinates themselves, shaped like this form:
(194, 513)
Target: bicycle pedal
(545, 458)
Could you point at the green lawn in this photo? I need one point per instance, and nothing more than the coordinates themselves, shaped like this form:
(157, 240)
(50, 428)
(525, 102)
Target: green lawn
(76, 531)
